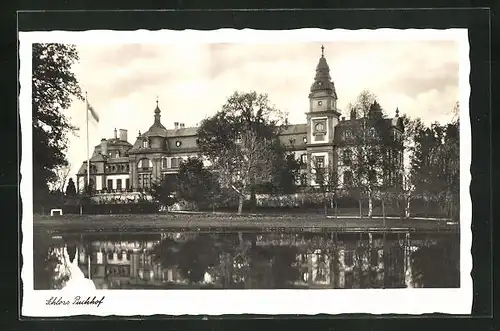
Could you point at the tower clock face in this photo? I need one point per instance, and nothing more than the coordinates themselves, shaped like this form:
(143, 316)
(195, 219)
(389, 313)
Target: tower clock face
(320, 127)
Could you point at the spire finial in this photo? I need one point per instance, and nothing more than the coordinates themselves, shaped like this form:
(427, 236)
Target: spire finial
(397, 112)
(322, 51)
(156, 101)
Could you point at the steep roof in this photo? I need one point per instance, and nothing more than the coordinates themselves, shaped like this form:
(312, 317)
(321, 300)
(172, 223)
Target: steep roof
(294, 129)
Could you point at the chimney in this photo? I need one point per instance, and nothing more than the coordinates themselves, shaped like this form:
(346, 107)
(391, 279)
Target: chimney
(115, 134)
(343, 118)
(181, 125)
(176, 125)
(123, 134)
(104, 146)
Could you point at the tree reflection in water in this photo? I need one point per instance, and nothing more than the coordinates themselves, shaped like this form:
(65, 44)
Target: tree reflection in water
(274, 260)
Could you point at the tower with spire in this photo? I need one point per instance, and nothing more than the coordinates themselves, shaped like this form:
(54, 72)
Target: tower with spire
(322, 117)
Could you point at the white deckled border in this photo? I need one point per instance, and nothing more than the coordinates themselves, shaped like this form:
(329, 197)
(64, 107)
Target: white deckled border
(217, 302)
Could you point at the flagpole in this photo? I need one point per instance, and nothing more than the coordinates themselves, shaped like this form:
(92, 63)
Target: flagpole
(88, 156)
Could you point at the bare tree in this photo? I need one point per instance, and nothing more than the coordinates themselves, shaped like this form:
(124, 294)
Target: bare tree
(247, 165)
(373, 154)
(62, 174)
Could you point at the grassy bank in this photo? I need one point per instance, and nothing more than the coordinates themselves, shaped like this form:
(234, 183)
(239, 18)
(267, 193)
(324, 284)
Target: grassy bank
(231, 222)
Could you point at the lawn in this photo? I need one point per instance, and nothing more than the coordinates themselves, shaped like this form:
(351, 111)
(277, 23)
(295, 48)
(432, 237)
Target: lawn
(225, 222)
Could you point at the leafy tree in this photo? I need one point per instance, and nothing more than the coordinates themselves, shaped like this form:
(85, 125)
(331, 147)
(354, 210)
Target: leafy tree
(71, 189)
(240, 142)
(288, 174)
(194, 181)
(163, 191)
(54, 86)
(434, 163)
(196, 256)
(437, 266)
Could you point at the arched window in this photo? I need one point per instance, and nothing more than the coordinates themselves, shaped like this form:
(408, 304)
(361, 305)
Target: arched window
(144, 164)
(347, 178)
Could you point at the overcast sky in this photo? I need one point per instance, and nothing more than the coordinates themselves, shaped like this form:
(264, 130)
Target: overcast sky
(192, 81)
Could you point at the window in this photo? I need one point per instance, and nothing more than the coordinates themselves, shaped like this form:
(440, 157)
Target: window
(118, 184)
(347, 134)
(127, 183)
(303, 158)
(145, 143)
(144, 165)
(374, 257)
(164, 162)
(144, 180)
(349, 280)
(348, 258)
(174, 163)
(110, 184)
(347, 178)
(303, 179)
(346, 156)
(320, 162)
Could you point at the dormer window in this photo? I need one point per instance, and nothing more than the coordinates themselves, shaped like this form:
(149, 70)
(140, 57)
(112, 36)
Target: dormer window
(305, 140)
(178, 143)
(145, 143)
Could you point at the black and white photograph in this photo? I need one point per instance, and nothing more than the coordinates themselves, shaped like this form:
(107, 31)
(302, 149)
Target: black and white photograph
(275, 171)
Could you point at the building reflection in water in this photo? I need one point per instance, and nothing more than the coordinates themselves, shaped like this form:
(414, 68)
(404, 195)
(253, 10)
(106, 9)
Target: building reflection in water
(269, 260)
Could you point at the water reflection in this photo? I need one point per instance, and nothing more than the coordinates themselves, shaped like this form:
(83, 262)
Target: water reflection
(259, 260)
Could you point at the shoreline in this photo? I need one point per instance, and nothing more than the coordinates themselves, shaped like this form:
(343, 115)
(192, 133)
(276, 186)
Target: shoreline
(208, 222)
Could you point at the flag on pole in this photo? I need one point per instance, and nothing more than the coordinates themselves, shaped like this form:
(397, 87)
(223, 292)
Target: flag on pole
(92, 112)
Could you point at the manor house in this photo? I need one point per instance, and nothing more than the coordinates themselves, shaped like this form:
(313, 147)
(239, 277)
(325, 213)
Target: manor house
(117, 165)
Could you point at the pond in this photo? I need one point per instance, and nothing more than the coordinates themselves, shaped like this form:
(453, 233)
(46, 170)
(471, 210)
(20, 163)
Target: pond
(291, 259)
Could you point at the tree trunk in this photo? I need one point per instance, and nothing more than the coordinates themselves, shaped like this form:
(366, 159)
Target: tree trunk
(370, 205)
(407, 209)
(383, 210)
(240, 204)
(253, 199)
